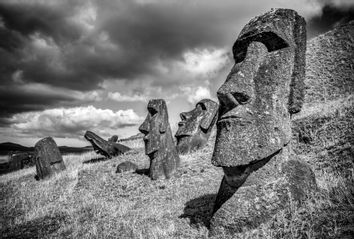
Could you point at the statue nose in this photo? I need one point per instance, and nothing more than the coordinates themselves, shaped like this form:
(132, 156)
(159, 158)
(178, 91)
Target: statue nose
(144, 128)
(231, 100)
(183, 115)
(227, 102)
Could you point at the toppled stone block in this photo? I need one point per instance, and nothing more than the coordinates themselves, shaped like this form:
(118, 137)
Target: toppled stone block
(195, 127)
(159, 145)
(108, 148)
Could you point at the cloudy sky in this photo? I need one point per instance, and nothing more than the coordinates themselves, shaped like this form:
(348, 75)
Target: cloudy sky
(70, 66)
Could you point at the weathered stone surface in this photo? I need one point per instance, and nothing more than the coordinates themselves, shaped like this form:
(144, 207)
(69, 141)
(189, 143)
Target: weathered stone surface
(253, 205)
(106, 148)
(159, 145)
(126, 167)
(195, 126)
(47, 158)
(264, 88)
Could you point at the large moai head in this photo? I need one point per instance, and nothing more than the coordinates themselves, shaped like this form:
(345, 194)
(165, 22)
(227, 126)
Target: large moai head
(195, 126)
(47, 158)
(263, 89)
(159, 145)
(106, 148)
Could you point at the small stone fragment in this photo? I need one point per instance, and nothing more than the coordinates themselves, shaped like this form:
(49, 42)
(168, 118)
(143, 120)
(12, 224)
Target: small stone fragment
(126, 167)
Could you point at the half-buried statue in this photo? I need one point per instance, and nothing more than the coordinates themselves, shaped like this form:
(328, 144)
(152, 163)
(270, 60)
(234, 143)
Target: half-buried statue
(47, 158)
(195, 126)
(262, 91)
(159, 145)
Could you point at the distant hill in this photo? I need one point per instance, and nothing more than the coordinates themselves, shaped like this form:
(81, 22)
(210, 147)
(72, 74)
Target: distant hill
(7, 147)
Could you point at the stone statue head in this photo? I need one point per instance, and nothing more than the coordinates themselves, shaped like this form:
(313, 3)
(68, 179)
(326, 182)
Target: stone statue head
(195, 126)
(155, 125)
(159, 145)
(263, 89)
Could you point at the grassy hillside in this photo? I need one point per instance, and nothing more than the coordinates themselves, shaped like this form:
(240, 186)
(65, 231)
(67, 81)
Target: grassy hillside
(89, 200)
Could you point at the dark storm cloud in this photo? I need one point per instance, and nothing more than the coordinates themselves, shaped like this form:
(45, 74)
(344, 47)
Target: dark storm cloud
(49, 44)
(77, 44)
(333, 13)
(27, 18)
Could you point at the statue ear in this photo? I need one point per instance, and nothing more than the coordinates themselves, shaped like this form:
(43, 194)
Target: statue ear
(163, 126)
(209, 119)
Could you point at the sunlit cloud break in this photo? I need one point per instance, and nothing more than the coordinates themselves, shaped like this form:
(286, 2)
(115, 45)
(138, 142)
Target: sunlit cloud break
(62, 122)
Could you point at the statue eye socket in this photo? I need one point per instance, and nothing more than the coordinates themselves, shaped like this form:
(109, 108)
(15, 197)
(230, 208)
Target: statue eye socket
(202, 106)
(241, 98)
(152, 111)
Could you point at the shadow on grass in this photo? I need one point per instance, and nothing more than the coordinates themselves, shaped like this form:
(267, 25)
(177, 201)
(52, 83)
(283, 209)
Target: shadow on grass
(95, 160)
(142, 171)
(37, 228)
(199, 210)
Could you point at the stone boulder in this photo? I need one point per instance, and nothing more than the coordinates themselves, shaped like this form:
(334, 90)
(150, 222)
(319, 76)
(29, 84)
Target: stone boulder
(126, 167)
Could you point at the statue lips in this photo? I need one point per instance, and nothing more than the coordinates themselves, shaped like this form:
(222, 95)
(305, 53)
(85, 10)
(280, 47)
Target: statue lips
(182, 131)
(149, 150)
(239, 115)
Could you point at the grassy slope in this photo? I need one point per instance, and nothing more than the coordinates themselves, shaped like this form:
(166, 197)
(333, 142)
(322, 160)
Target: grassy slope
(89, 200)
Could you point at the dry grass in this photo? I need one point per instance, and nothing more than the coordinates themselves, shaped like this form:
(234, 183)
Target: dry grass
(89, 200)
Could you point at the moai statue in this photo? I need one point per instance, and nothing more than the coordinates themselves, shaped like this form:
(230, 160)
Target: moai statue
(195, 126)
(47, 158)
(113, 139)
(159, 145)
(106, 148)
(264, 88)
